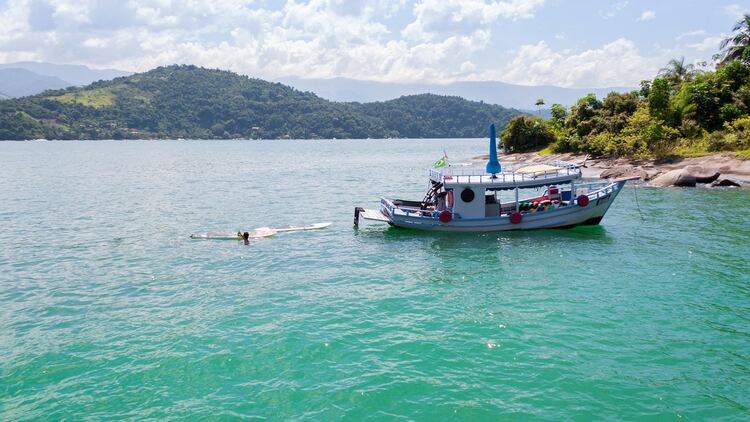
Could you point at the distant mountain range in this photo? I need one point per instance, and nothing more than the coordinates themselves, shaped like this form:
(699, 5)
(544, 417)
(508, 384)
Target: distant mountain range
(28, 78)
(192, 102)
(509, 95)
(16, 82)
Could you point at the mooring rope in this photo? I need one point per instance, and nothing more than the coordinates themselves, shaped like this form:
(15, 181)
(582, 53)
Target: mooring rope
(637, 204)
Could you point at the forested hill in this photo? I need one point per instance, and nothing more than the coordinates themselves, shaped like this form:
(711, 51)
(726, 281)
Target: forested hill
(436, 116)
(193, 102)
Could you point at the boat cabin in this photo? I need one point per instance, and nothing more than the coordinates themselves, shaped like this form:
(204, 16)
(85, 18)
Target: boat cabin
(473, 193)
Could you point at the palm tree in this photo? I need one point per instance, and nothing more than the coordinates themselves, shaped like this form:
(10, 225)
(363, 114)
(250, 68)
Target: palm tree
(737, 46)
(677, 71)
(539, 104)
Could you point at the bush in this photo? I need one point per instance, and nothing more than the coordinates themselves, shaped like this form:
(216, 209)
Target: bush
(661, 139)
(568, 143)
(526, 133)
(689, 128)
(645, 133)
(602, 144)
(735, 136)
(606, 144)
(729, 112)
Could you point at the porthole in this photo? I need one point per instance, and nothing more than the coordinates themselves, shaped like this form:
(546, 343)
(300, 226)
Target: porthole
(467, 195)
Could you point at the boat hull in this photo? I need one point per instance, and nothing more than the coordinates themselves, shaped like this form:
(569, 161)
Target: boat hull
(563, 217)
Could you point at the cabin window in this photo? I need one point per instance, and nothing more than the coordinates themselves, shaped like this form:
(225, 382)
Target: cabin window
(467, 195)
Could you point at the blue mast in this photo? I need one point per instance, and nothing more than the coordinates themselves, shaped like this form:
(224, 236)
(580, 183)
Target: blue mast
(493, 166)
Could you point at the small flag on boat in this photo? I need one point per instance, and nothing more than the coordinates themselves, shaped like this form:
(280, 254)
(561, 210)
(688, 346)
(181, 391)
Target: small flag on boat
(441, 162)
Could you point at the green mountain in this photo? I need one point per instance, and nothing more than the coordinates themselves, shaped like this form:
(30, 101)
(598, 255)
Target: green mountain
(436, 116)
(193, 102)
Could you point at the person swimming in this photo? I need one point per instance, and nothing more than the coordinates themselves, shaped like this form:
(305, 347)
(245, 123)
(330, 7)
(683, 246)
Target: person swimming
(245, 237)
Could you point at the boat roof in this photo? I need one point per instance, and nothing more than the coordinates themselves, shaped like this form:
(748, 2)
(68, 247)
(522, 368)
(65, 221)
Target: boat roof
(524, 176)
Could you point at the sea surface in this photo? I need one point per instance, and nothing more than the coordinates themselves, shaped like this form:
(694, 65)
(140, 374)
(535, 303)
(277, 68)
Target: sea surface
(109, 311)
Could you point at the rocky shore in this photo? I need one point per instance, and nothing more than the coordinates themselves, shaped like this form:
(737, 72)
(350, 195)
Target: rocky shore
(710, 170)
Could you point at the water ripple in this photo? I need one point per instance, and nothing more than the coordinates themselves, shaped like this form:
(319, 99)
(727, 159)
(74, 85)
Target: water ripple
(108, 311)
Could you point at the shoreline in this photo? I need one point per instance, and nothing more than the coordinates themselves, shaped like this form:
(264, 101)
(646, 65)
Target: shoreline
(728, 166)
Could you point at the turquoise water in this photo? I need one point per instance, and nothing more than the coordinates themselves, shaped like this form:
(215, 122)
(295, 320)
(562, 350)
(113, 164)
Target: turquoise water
(108, 310)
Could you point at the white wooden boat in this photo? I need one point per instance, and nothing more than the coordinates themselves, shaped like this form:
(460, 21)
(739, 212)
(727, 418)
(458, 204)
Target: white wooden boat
(541, 196)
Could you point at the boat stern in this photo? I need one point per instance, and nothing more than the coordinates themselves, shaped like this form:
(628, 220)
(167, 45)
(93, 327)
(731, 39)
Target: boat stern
(382, 215)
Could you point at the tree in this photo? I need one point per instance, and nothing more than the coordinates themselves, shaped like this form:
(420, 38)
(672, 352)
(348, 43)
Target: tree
(539, 104)
(677, 71)
(583, 114)
(737, 45)
(526, 133)
(559, 114)
(658, 99)
(645, 88)
(616, 109)
(702, 100)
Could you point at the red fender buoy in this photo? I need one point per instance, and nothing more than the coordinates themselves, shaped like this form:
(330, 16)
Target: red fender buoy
(449, 199)
(446, 216)
(582, 200)
(516, 217)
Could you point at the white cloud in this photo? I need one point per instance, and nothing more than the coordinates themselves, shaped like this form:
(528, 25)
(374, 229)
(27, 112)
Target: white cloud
(735, 11)
(426, 41)
(690, 34)
(647, 16)
(708, 43)
(614, 64)
(310, 38)
(614, 10)
(14, 22)
(434, 18)
(468, 67)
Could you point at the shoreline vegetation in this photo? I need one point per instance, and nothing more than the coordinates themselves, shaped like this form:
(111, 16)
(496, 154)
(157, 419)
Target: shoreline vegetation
(685, 111)
(717, 169)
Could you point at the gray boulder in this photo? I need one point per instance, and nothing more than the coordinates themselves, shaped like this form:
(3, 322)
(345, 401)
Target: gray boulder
(679, 177)
(725, 182)
(652, 173)
(703, 175)
(624, 170)
(707, 179)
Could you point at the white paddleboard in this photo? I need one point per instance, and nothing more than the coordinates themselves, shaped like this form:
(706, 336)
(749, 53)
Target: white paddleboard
(259, 232)
(255, 234)
(300, 228)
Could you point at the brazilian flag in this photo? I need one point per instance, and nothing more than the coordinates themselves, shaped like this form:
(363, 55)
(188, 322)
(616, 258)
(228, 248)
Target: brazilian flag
(439, 163)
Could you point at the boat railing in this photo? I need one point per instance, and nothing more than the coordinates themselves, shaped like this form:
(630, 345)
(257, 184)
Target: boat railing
(591, 187)
(598, 190)
(404, 210)
(509, 174)
(506, 177)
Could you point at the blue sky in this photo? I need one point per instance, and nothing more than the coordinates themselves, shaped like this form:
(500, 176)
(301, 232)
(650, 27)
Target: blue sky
(582, 43)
